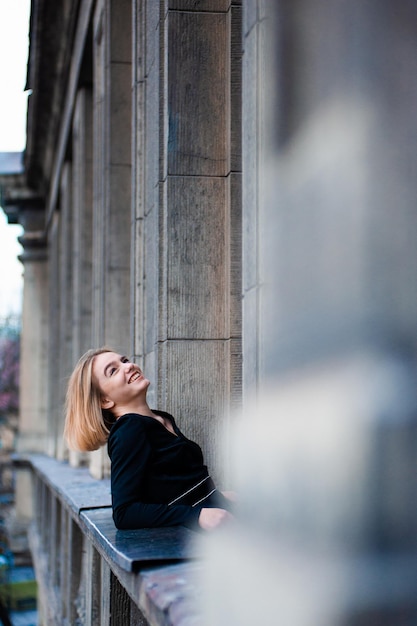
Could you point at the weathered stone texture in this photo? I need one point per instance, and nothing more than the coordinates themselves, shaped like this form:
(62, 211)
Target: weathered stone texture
(197, 232)
(82, 224)
(198, 94)
(196, 392)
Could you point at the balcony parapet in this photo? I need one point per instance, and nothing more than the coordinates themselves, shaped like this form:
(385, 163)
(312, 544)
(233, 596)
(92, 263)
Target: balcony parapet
(89, 572)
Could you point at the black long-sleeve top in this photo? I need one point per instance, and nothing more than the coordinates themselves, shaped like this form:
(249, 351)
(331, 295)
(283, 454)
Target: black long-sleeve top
(151, 468)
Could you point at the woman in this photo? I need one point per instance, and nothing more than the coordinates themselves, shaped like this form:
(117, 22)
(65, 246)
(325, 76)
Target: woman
(158, 476)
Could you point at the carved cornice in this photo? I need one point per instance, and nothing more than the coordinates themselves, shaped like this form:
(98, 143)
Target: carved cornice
(25, 207)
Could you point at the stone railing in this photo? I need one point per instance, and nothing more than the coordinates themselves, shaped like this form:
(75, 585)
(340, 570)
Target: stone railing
(89, 572)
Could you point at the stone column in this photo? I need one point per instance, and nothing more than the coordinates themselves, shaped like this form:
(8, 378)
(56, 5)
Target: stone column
(60, 317)
(111, 236)
(34, 434)
(66, 297)
(324, 454)
(82, 235)
(187, 87)
(33, 425)
(112, 171)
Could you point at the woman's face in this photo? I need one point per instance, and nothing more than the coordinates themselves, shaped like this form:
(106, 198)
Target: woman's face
(119, 380)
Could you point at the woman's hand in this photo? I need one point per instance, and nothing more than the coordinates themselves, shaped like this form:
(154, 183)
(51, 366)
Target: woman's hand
(213, 518)
(230, 495)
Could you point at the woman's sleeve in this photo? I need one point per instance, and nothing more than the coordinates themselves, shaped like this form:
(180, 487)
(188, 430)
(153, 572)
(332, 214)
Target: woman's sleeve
(130, 453)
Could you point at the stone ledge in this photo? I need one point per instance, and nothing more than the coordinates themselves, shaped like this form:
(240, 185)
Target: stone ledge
(159, 568)
(134, 549)
(75, 487)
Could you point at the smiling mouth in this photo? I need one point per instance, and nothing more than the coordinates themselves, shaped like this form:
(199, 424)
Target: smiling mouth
(135, 376)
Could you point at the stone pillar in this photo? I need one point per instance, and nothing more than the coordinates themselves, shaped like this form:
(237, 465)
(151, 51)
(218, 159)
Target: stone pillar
(60, 300)
(187, 90)
(34, 433)
(65, 336)
(54, 347)
(33, 425)
(111, 240)
(147, 137)
(82, 234)
(324, 456)
(112, 172)
(82, 224)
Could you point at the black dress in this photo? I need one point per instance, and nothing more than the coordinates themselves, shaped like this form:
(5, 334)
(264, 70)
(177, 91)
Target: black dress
(157, 478)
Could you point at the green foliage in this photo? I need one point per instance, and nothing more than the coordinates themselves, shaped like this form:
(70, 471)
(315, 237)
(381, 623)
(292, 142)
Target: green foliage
(9, 366)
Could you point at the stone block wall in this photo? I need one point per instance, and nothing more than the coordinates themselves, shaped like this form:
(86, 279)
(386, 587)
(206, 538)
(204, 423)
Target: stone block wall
(140, 206)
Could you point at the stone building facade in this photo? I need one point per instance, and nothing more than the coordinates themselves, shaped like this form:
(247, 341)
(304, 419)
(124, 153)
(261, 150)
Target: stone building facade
(226, 190)
(133, 232)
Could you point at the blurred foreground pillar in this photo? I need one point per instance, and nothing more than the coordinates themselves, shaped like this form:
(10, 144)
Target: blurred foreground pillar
(324, 455)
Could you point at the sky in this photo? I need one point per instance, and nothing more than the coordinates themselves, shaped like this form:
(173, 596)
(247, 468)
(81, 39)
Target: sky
(14, 30)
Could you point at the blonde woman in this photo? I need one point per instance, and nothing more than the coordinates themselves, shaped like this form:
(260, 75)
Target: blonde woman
(158, 476)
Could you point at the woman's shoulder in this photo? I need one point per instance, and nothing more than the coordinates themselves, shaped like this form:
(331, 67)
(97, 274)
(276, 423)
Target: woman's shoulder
(128, 430)
(137, 420)
(128, 421)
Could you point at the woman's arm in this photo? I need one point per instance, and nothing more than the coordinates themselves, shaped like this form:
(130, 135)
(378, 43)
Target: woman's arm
(142, 515)
(230, 495)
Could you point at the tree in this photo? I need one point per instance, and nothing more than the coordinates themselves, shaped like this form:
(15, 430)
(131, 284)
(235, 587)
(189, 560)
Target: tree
(9, 367)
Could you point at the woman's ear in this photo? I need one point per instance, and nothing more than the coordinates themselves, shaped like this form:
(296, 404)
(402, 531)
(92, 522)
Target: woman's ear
(106, 403)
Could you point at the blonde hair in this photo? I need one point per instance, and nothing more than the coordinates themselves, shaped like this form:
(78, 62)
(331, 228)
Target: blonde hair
(87, 425)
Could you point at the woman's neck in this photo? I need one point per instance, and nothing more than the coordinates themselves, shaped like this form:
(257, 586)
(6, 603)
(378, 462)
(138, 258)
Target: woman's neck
(139, 407)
